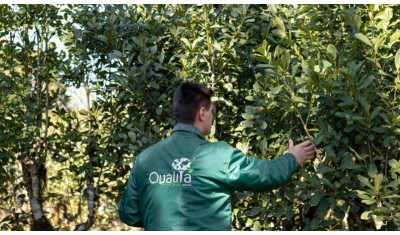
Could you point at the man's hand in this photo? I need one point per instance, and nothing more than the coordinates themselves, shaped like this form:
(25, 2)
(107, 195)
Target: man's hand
(302, 152)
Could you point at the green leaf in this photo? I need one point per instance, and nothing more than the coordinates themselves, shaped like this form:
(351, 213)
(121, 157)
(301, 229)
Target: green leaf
(364, 197)
(6, 219)
(243, 195)
(278, 22)
(161, 58)
(347, 99)
(316, 198)
(132, 147)
(279, 33)
(136, 41)
(256, 226)
(132, 135)
(394, 38)
(172, 29)
(154, 85)
(339, 213)
(159, 111)
(393, 163)
(119, 145)
(298, 99)
(368, 202)
(253, 211)
(257, 87)
(101, 38)
(372, 171)
(377, 42)
(186, 42)
(363, 38)
(396, 120)
(249, 222)
(116, 54)
(397, 60)
(375, 112)
(327, 182)
(247, 123)
(351, 166)
(392, 196)
(247, 116)
(355, 153)
(276, 90)
(197, 40)
(365, 215)
(324, 169)
(323, 208)
(378, 179)
(365, 82)
(153, 49)
(393, 184)
(228, 86)
(365, 182)
(263, 125)
(317, 140)
(218, 47)
(384, 210)
(216, 26)
(382, 130)
(332, 51)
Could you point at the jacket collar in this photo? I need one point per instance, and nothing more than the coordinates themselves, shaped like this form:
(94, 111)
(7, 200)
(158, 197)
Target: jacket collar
(188, 128)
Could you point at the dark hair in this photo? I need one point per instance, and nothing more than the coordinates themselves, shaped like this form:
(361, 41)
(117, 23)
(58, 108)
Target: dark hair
(188, 98)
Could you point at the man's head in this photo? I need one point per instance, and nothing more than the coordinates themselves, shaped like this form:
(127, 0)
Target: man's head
(192, 105)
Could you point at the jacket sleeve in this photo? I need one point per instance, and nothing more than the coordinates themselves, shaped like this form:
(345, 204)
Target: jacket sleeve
(252, 174)
(128, 207)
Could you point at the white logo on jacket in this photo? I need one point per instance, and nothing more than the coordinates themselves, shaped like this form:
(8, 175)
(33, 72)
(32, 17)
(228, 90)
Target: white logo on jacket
(176, 178)
(181, 164)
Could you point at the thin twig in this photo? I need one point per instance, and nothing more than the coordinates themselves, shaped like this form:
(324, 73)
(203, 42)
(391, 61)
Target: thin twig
(369, 151)
(306, 129)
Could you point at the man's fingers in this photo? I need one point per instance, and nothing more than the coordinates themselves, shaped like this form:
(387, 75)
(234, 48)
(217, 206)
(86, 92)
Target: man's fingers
(310, 148)
(307, 146)
(303, 152)
(303, 144)
(306, 143)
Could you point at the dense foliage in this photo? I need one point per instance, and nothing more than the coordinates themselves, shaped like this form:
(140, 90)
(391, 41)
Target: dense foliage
(330, 73)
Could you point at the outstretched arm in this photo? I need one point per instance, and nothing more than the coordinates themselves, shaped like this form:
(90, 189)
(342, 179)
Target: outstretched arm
(250, 173)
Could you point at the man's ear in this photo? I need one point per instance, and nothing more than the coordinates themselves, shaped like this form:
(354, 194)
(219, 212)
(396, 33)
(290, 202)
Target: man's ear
(202, 113)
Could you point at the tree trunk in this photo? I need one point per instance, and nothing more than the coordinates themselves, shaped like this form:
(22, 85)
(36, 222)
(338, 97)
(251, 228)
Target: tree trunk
(91, 197)
(33, 186)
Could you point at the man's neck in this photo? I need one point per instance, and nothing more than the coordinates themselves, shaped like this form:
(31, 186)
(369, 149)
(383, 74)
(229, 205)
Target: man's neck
(200, 126)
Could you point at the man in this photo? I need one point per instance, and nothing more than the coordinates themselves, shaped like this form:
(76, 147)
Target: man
(185, 182)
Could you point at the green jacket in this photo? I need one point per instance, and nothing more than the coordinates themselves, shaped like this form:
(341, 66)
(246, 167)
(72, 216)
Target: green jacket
(185, 182)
